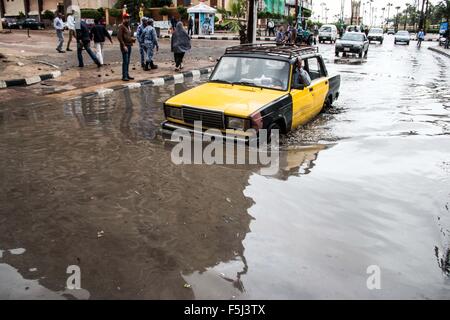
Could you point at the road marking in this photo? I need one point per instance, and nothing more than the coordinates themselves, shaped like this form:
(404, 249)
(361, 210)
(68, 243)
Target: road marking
(2, 84)
(133, 85)
(103, 92)
(158, 82)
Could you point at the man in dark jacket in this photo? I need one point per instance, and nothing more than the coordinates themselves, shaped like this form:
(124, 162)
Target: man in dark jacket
(84, 41)
(99, 34)
(126, 41)
(190, 26)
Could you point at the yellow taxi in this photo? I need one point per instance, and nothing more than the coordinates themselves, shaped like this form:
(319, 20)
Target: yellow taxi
(253, 87)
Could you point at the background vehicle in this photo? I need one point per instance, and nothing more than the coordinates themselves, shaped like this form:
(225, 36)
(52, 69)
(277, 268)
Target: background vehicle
(353, 29)
(391, 31)
(28, 23)
(353, 42)
(304, 36)
(402, 36)
(376, 34)
(328, 32)
(8, 22)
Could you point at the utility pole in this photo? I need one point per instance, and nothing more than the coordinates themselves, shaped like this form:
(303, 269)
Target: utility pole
(421, 21)
(251, 21)
(1, 14)
(425, 17)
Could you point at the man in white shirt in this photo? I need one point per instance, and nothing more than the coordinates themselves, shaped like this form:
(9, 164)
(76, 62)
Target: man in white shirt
(58, 24)
(71, 27)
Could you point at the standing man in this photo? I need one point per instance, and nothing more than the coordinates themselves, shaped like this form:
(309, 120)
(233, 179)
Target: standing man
(84, 42)
(71, 27)
(271, 27)
(173, 22)
(58, 24)
(140, 39)
(150, 42)
(126, 41)
(190, 26)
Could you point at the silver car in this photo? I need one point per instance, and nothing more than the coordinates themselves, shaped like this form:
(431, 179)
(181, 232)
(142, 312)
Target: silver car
(402, 36)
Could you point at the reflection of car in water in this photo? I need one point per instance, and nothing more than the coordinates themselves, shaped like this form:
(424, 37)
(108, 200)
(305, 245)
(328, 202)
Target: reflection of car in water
(352, 42)
(252, 87)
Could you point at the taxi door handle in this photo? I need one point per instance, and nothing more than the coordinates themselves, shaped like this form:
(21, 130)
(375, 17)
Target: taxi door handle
(326, 82)
(311, 89)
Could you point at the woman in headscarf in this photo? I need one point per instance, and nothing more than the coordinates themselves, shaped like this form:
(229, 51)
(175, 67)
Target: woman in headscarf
(181, 43)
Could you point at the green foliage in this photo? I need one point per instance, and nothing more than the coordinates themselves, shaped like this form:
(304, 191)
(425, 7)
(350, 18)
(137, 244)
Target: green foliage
(21, 15)
(164, 11)
(225, 14)
(49, 15)
(161, 3)
(115, 12)
(91, 13)
(182, 11)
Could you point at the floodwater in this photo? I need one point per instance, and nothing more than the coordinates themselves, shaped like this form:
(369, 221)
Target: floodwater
(90, 182)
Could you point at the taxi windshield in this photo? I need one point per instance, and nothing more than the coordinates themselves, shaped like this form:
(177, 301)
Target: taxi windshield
(257, 72)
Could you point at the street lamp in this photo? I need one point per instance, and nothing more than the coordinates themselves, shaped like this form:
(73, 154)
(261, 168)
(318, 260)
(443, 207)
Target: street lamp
(326, 14)
(389, 5)
(323, 5)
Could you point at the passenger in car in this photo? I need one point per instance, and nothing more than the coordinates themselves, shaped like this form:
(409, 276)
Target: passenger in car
(301, 76)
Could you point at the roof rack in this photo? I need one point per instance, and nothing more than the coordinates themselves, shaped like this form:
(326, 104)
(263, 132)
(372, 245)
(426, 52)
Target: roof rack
(286, 50)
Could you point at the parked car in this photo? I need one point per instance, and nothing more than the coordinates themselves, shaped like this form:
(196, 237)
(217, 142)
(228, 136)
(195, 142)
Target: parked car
(328, 32)
(8, 22)
(376, 34)
(391, 31)
(402, 36)
(353, 42)
(28, 23)
(252, 87)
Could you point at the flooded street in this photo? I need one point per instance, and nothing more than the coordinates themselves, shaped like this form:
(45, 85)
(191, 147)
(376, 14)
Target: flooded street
(90, 182)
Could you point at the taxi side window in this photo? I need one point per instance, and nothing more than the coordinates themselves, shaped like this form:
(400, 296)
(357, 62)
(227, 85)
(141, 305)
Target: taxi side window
(314, 68)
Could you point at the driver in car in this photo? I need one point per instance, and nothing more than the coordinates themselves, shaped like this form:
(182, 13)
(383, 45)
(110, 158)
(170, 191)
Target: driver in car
(301, 76)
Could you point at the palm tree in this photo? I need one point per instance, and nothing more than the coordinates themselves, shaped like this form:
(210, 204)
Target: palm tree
(234, 18)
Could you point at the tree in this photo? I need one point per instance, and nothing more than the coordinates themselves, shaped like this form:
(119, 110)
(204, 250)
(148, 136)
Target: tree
(442, 10)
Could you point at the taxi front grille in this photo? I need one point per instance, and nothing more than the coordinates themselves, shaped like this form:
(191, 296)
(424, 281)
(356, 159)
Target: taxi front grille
(209, 119)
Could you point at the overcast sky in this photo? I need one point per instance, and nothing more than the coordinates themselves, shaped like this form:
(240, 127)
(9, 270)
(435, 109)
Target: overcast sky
(335, 7)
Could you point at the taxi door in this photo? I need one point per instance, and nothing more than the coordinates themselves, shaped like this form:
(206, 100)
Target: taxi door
(302, 102)
(319, 85)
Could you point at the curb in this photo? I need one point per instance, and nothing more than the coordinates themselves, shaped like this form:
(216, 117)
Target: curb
(236, 38)
(439, 51)
(178, 78)
(29, 81)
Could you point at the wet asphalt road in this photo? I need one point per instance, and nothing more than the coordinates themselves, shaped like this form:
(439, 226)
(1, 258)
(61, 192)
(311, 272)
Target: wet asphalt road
(89, 182)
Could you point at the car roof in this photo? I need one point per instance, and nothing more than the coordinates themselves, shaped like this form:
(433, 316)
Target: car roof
(285, 52)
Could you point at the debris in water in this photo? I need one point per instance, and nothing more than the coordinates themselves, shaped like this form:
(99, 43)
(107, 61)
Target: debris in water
(100, 234)
(187, 285)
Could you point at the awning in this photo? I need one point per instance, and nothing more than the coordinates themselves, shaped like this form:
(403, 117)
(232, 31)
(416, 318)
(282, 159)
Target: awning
(202, 8)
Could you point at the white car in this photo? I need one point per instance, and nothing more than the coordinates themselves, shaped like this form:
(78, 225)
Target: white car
(402, 36)
(328, 32)
(376, 34)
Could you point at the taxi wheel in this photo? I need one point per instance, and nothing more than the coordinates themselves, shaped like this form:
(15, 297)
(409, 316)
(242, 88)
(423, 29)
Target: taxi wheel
(273, 126)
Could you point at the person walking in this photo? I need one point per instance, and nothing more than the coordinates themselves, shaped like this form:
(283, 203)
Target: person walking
(126, 42)
(58, 24)
(420, 38)
(140, 40)
(71, 26)
(84, 42)
(190, 26)
(150, 40)
(180, 44)
(271, 27)
(99, 34)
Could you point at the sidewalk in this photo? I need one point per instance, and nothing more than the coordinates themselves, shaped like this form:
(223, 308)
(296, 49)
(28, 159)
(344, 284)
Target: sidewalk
(441, 50)
(39, 50)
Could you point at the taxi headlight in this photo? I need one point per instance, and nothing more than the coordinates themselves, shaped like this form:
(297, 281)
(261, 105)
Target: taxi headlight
(174, 112)
(237, 123)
